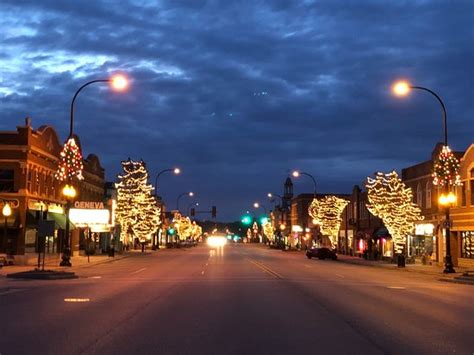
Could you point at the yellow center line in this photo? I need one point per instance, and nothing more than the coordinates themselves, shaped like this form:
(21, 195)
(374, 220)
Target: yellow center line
(265, 269)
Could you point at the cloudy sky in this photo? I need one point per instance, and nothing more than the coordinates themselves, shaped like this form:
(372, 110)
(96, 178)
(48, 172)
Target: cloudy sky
(238, 93)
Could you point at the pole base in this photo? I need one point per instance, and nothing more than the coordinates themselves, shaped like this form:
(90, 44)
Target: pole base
(448, 266)
(66, 258)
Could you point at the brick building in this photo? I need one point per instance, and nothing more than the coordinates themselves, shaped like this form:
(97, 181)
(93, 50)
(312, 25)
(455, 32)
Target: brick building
(28, 162)
(428, 238)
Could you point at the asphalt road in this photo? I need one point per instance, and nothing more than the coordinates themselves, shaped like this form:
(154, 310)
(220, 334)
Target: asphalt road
(237, 300)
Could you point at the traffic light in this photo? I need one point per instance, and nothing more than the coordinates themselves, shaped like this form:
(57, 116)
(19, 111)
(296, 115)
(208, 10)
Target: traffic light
(263, 220)
(214, 212)
(193, 212)
(171, 231)
(246, 220)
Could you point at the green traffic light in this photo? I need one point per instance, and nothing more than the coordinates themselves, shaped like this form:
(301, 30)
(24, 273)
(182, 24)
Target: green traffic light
(171, 231)
(246, 220)
(263, 220)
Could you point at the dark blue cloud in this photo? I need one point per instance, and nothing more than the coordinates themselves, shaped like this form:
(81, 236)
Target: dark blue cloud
(199, 69)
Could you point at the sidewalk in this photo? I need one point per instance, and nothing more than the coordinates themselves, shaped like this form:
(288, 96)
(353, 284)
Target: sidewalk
(78, 262)
(425, 269)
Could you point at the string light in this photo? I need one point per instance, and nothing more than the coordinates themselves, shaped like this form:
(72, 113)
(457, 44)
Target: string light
(136, 211)
(70, 162)
(392, 201)
(327, 213)
(446, 169)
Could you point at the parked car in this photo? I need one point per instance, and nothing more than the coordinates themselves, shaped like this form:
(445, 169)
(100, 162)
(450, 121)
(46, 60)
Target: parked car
(321, 253)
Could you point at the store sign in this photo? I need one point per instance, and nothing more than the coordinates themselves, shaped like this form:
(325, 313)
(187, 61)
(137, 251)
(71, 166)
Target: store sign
(296, 228)
(424, 229)
(89, 205)
(88, 217)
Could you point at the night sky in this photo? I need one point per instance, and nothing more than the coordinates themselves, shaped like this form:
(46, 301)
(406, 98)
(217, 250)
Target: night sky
(237, 94)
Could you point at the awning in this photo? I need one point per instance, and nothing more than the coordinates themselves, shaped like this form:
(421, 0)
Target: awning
(382, 233)
(60, 220)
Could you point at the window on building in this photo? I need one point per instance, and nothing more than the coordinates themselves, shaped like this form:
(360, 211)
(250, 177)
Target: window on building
(7, 181)
(428, 194)
(37, 182)
(472, 187)
(467, 244)
(42, 182)
(29, 180)
(463, 194)
(419, 195)
(47, 183)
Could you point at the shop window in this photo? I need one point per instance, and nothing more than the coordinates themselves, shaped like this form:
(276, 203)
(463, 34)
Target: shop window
(419, 195)
(467, 244)
(7, 181)
(428, 195)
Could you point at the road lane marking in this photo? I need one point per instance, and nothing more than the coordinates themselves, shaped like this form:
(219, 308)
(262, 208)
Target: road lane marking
(265, 268)
(74, 300)
(95, 277)
(140, 270)
(341, 276)
(396, 287)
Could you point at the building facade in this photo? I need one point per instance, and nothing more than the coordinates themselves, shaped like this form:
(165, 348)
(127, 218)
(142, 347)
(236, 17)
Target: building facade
(428, 241)
(28, 162)
(463, 213)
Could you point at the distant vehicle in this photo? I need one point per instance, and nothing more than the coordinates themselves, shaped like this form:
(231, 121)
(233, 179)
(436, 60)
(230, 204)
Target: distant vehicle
(217, 240)
(321, 253)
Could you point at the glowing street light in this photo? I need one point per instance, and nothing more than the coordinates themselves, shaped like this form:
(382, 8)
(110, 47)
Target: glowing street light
(297, 174)
(190, 194)
(175, 171)
(401, 88)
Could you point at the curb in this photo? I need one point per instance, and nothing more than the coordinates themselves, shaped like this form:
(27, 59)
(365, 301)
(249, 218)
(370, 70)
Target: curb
(458, 281)
(43, 275)
(394, 268)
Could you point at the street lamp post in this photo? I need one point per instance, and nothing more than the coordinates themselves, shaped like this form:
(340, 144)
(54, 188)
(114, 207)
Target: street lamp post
(190, 194)
(256, 205)
(402, 88)
(69, 192)
(175, 171)
(190, 205)
(297, 173)
(119, 83)
(6, 211)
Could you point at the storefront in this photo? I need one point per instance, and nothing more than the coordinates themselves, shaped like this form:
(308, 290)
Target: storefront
(95, 223)
(467, 244)
(42, 210)
(422, 245)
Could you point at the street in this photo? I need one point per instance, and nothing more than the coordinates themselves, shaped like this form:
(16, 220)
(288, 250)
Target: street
(240, 299)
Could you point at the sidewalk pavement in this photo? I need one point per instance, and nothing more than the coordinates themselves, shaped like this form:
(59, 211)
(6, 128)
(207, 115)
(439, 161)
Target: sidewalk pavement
(78, 262)
(420, 268)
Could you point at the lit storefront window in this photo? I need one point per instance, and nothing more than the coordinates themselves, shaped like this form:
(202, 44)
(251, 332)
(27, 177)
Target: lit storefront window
(467, 244)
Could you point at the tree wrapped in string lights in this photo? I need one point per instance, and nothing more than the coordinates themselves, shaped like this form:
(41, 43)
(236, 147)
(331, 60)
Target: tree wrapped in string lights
(327, 213)
(136, 211)
(446, 169)
(268, 230)
(70, 162)
(183, 226)
(392, 201)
